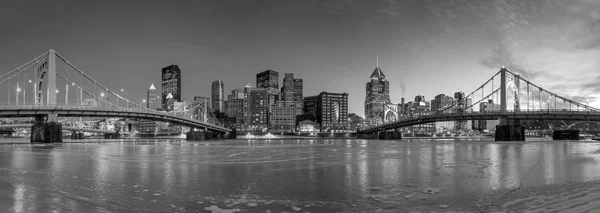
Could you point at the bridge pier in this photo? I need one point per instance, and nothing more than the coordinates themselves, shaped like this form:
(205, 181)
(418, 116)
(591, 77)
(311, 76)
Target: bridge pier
(45, 132)
(75, 135)
(567, 134)
(510, 130)
(381, 135)
(209, 135)
(116, 135)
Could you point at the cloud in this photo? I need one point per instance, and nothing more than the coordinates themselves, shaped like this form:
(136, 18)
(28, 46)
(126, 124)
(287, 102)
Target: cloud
(554, 45)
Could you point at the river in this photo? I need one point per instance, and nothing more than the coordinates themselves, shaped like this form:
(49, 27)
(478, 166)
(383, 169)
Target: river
(351, 175)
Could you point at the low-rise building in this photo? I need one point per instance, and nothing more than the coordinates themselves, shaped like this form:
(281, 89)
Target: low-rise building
(283, 115)
(307, 123)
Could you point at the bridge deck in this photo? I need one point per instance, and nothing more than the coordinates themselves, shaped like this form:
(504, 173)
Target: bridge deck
(84, 111)
(523, 115)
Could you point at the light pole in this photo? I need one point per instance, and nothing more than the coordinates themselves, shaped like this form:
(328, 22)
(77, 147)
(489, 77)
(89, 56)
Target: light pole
(126, 100)
(588, 104)
(17, 96)
(102, 96)
(66, 94)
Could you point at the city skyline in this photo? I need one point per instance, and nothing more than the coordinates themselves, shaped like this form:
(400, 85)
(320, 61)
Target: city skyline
(330, 45)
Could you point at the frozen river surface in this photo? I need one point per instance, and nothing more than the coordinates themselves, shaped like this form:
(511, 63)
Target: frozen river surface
(301, 176)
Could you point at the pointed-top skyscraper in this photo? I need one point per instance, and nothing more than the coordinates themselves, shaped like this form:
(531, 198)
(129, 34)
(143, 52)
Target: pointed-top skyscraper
(152, 101)
(378, 94)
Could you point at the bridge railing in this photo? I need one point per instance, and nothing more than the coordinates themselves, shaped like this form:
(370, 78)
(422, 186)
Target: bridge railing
(434, 114)
(105, 108)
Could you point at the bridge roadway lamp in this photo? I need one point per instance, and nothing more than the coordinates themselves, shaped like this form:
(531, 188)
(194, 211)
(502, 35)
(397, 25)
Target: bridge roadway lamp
(126, 100)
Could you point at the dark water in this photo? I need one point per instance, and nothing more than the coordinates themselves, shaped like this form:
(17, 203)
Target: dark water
(286, 175)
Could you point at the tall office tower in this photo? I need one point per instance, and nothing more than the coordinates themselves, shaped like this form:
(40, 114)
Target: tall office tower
(292, 88)
(256, 110)
(378, 95)
(152, 99)
(171, 84)
(267, 79)
(217, 94)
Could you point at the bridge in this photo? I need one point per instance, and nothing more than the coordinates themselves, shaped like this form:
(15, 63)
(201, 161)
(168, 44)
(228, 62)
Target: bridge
(64, 128)
(45, 74)
(518, 99)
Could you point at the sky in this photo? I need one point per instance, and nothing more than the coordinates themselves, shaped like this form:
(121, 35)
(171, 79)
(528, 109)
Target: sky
(425, 47)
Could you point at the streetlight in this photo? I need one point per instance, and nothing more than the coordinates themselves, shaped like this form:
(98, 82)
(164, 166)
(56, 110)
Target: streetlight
(34, 88)
(126, 100)
(17, 95)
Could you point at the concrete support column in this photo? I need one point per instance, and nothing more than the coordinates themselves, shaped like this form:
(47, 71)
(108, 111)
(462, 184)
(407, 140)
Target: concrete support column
(510, 130)
(45, 132)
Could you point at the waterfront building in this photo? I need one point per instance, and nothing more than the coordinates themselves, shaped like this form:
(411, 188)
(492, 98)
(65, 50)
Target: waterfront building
(307, 123)
(441, 102)
(488, 125)
(256, 110)
(330, 109)
(217, 94)
(378, 94)
(171, 84)
(283, 115)
(416, 109)
(292, 88)
(461, 107)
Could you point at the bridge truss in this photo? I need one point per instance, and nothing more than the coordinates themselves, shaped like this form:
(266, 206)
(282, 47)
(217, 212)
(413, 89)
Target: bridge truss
(504, 93)
(50, 80)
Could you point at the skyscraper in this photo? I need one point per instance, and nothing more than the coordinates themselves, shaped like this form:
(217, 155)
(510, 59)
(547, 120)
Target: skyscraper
(378, 94)
(218, 94)
(292, 88)
(267, 79)
(152, 101)
(256, 110)
(171, 83)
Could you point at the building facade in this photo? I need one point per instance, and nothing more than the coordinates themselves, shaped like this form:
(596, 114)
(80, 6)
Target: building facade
(292, 88)
(330, 110)
(461, 106)
(416, 109)
(217, 96)
(267, 79)
(377, 95)
(283, 116)
(256, 110)
(152, 98)
(235, 108)
(171, 84)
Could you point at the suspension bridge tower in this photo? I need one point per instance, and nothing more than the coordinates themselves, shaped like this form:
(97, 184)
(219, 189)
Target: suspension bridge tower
(509, 129)
(45, 127)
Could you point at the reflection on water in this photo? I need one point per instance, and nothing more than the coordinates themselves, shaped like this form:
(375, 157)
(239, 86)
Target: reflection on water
(170, 176)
